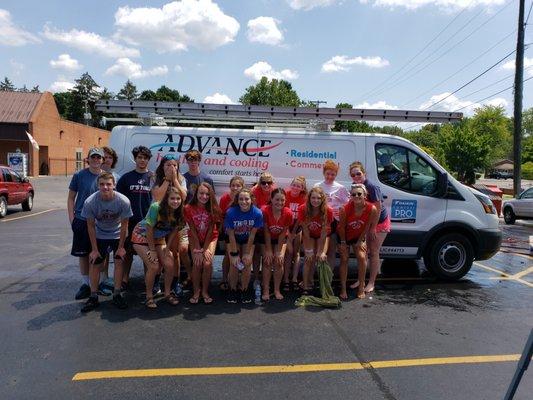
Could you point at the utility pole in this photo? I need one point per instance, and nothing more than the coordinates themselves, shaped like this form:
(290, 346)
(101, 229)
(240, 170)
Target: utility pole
(518, 88)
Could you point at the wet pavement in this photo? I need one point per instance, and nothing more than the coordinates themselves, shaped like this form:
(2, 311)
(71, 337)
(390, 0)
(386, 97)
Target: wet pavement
(396, 344)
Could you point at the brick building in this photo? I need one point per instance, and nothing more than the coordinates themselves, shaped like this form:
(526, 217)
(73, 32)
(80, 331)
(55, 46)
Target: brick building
(62, 144)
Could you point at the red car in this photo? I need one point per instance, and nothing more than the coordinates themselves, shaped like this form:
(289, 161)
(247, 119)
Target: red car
(14, 189)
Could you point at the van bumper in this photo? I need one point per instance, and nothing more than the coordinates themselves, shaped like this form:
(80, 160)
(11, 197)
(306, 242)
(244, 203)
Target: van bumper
(489, 242)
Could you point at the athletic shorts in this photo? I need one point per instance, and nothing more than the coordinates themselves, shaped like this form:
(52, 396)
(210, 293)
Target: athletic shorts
(384, 227)
(106, 246)
(81, 243)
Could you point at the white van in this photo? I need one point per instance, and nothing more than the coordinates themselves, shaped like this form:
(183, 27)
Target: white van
(434, 216)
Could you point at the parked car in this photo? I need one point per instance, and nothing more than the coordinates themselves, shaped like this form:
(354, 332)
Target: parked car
(520, 208)
(500, 175)
(14, 189)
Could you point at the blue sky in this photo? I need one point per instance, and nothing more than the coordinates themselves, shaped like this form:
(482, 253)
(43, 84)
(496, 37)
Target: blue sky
(351, 51)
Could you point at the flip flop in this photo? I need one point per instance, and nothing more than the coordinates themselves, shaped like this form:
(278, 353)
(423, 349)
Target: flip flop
(172, 300)
(194, 300)
(207, 300)
(150, 303)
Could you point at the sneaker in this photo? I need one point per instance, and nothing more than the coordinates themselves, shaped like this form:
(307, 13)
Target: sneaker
(90, 305)
(246, 296)
(104, 290)
(232, 297)
(120, 301)
(83, 292)
(177, 289)
(156, 290)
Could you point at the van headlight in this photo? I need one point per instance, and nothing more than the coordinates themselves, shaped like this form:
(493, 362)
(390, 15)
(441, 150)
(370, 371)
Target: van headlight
(486, 203)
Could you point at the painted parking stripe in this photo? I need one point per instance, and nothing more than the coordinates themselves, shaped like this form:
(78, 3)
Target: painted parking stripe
(504, 275)
(30, 215)
(285, 369)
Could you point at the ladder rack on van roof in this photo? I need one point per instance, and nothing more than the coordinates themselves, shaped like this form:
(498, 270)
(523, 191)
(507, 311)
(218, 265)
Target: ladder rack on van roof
(162, 113)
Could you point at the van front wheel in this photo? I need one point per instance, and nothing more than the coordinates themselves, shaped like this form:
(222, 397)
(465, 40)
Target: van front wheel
(450, 257)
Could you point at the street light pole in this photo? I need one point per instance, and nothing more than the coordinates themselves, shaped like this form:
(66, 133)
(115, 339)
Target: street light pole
(518, 88)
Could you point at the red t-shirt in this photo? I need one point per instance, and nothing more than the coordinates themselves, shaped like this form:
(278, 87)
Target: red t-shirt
(225, 203)
(294, 202)
(262, 198)
(200, 218)
(355, 225)
(276, 226)
(315, 223)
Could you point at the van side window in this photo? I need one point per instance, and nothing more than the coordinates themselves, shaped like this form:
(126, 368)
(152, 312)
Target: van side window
(406, 170)
(7, 176)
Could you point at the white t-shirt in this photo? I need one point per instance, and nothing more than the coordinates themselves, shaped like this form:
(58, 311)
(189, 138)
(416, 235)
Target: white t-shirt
(337, 195)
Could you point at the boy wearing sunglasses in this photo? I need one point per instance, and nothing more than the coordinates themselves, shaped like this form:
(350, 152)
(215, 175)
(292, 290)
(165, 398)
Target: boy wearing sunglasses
(194, 176)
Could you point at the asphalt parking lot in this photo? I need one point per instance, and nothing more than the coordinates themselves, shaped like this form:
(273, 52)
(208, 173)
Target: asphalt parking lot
(415, 338)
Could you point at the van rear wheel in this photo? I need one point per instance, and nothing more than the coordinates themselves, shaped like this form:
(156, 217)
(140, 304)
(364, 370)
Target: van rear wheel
(450, 257)
(508, 216)
(27, 205)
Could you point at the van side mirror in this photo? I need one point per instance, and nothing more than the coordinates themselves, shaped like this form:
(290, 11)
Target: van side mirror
(442, 184)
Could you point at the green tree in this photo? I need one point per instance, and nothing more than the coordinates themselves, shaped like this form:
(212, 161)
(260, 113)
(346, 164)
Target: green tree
(148, 95)
(271, 93)
(527, 122)
(351, 126)
(527, 148)
(35, 89)
(6, 85)
(464, 150)
(491, 123)
(164, 93)
(24, 89)
(85, 91)
(106, 94)
(128, 91)
(63, 101)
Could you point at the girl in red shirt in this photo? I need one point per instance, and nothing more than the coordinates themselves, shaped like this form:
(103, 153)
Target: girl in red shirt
(202, 214)
(296, 196)
(315, 218)
(235, 185)
(277, 220)
(355, 220)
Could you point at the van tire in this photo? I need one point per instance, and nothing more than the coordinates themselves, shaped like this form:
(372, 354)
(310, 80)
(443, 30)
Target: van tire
(27, 204)
(3, 206)
(450, 257)
(508, 216)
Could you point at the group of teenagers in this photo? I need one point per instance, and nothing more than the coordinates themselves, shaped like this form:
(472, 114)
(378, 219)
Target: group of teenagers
(170, 219)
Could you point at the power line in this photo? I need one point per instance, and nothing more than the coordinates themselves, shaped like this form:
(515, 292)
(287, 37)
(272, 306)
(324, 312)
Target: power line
(492, 95)
(472, 80)
(416, 55)
(405, 78)
(459, 70)
(528, 13)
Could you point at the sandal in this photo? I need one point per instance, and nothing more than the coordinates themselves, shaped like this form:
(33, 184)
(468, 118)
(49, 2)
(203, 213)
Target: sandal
(150, 303)
(172, 300)
(194, 300)
(295, 286)
(207, 300)
(286, 286)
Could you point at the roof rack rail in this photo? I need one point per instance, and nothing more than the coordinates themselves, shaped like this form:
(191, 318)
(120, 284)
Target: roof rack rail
(162, 112)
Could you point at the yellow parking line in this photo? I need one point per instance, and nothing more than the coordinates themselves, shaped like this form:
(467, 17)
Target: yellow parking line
(29, 215)
(505, 275)
(284, 369)
(523, 273)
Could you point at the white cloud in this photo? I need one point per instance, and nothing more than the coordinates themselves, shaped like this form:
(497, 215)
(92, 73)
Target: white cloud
(13, 35)
(262, 68)
(125, 67)
(178, 68)
(16, 67)
(443, 4)
(453, 103)
(382, 105)
(310, 4)
(343, 63)
(218, 98)
(65, 62)
(61, 86)
(264, 30)
(528, 63)
(89, 42)
(177, 26)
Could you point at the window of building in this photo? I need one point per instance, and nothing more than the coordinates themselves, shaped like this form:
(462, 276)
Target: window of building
(79, 160)
(404, 169)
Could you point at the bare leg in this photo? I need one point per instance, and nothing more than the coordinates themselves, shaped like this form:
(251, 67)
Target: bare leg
(152, 269)
(361, 271)
(278, 274)
(343, 273)
(373, 252)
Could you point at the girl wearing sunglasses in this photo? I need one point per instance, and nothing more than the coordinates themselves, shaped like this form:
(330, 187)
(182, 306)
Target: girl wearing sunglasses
(168, 175)
(356, 219)
(377, 235)
(315, 217)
